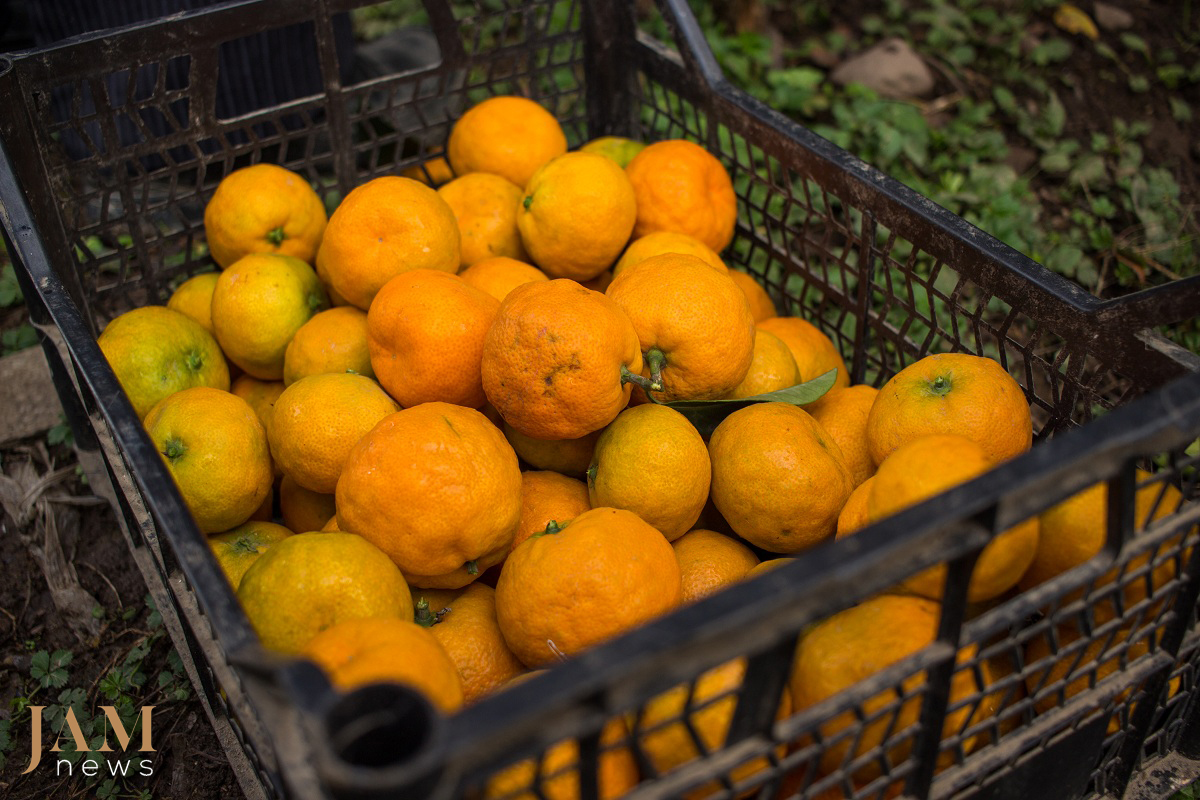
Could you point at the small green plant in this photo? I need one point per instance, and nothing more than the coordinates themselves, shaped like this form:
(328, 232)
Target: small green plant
(127, 688)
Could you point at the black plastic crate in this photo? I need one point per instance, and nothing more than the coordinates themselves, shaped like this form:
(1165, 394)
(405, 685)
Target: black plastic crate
(112, 144)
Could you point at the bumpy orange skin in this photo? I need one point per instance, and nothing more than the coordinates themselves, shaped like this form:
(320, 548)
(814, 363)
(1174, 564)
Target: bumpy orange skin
(498, 276)
(854, 515)
(383, 228)
(710, 561)
(259, 303)
(605, 572)
(928, 466)
(334, 340)
(695, 317)
(570, 457)
(955, 393)
(761, 305)
(485, 207)
(681, 187)
(303, 510)
(216, 450)
(548, 496)
(669, 744)
(553, 360)
(815, 353)
(659, 242)
(194, 298)
(778, 478)
(263, 209)
(652, 461)
(555, 776)
(240, 547)
(434, 486)
(307, 583)
(155, 351)
(843, 414)
(261, 395)
(361, 651)
(772, 367)
(506, 136)
(576, 216)
(425, 333)
(853, 645)
(466, 628)
(318, 419)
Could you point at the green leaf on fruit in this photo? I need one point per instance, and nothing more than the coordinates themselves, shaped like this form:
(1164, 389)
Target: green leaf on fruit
(706, 415)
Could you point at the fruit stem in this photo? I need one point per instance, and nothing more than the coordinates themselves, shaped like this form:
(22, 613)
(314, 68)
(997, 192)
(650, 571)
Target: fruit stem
(426, 618)
(552, 528)
(591, 475)
(527, 202)
(276, 236)
(472, 568)
(656, 359)
(644, 382)
(941, 385)
(174, 449)
(194, 361)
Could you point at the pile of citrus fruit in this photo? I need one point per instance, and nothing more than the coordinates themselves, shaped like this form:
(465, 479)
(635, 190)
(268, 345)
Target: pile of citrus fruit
(449, 455)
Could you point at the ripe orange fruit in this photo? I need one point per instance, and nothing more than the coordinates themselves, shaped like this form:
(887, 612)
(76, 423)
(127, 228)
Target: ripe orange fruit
(194, 298)
(854, 514)
(465, 625)
(359, 651)
(266, 510)
(771, 367)
(569, 456)
(548, 496)
(650, 460)
(442, 533)
(500, 275)
(1067, 663)
(155, 352)
(303, 510)
(425, 333)
(263, 209)
(693, 325)
(331, 524)
(767, 566)
(815, 353)
(660, 242)
(851, 646)
(261, 395)
(618, 571)
(843, 414)
(555, 776)
(955, 393)
(1075, 531)
(681, 187)
(506, 136)
(485, 206)
(318, 419)
(708, 709)
(240, 547)
(619, 148)
(216, 450)
(928, 466)
(557, 360)
(383, 228)
(260, 302)
(576, 215)
(332, 341)
(709, 561)
(305, 584)
(433, 172)
(780, 446)
(761, 305)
